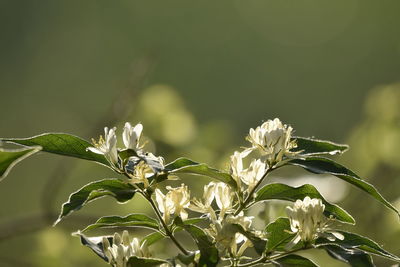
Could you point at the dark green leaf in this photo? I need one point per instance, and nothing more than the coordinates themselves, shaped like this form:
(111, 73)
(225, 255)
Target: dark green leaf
(184, 165)
(9, 158)
(294, 261)
(310, 146)
(286, 192)
(132, 220)
(144, 262)
(62, 144)
(354, 258)
(95, 244)
(353, 241)
(208, 252)
(279, 234)
(320, 165)
(118, 189)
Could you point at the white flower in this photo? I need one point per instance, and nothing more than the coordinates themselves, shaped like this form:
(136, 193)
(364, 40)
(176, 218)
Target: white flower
(253, 174)
(237, 167)
(308, 221)
(165, 205)
(226, 236)
(223, 195)
(174, 202)
(250, 176)
(107, 146)
(224, 198)
(122, 249)
(273, 139)
(204, 206)
(131, 136)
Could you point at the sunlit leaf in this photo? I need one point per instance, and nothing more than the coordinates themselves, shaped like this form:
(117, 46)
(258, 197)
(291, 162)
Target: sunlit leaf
(321, 165)
(286, 192)
(118, 189)
(353, 241)
(184, 165)
(152, 238)
(62, 144)
(132, 220)
(10, 157)
(310, 146)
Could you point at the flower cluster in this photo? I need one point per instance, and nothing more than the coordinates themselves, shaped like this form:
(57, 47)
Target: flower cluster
(107, 146)
(273, 140)
(174, 202)
(307, 220)
(221, 228)
(139, 167)
(122, 249)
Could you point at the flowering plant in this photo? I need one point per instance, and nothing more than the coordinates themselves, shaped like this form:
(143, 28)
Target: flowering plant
(218, 222)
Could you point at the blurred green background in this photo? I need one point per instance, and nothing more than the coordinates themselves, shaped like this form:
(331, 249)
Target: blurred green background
(198, 75)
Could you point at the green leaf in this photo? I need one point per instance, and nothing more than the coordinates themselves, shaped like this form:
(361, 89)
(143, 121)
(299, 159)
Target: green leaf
(124, 154)
(156, 236)
(144, 262)
(279, 234)
(354, 258)
(132, 220)
(286, 192)
(95, 244)
(294, 260)
(152, 238)
(208, 252)
(353, 241)
(310, 146)
(62, 144)
(116, 188)
(258, 243)
(10, 157)
(184, 165)
(321, 165)
(186, 259)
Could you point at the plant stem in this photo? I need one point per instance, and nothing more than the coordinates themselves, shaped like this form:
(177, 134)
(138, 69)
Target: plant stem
(250, 196)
